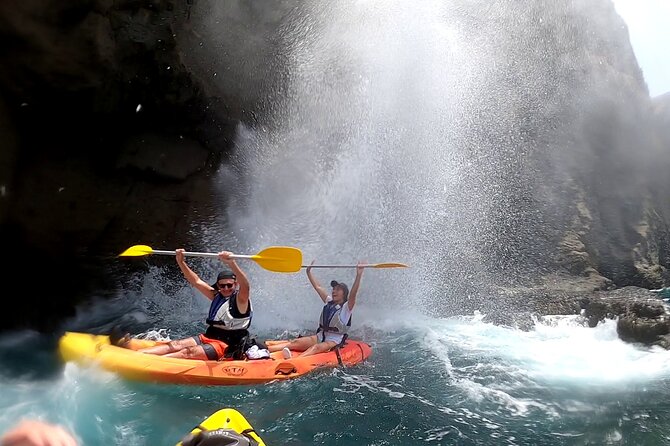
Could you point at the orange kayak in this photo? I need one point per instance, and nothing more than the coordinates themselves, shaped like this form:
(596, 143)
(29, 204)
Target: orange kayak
(90, 349)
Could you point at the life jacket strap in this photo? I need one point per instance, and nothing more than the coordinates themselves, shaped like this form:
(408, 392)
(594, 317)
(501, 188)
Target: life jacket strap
(337, 349)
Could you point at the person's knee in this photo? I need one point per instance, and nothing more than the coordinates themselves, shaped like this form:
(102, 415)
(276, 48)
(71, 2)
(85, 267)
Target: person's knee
(294, 344)
(300, 344)
(192, 352)
(324, 346)
(174, 346)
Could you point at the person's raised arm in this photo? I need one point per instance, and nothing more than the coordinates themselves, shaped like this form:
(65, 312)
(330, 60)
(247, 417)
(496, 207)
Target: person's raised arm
(315, 283)
(242, 279)
(354, 288)
(192, 278)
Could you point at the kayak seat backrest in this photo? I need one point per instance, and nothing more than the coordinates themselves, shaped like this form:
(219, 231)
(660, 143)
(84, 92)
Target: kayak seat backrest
(220, 437)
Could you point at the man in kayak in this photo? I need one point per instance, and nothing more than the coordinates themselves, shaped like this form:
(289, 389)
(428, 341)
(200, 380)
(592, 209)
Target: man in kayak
(229, 316)
(334, 322)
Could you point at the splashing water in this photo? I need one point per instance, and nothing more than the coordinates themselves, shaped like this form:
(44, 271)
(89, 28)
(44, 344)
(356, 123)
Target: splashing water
(393, 131)
(385, 131)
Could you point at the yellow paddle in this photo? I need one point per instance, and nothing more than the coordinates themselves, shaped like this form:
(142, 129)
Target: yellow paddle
(365, 265)
(280, 259)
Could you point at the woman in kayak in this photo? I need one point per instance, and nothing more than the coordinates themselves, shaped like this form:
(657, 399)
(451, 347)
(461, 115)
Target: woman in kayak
(229, 315)
(335, 318)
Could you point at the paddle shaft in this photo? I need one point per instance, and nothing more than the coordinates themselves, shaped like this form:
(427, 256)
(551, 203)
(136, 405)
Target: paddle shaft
(333, 266)
(279, 259)
(365, 265)
(199, 254)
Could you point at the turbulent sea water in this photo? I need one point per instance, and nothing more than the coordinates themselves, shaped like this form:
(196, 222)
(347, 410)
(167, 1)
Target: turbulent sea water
(436, 381)
(394, 136)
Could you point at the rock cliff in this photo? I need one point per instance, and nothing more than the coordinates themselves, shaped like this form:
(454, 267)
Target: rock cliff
(112, 128)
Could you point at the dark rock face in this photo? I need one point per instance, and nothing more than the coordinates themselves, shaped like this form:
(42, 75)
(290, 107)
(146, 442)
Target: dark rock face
(112, 130)
(103, 144)
(642, 317)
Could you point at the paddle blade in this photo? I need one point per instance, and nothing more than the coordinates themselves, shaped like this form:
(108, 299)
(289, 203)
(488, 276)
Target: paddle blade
(280, 259)
(389, 265)
(137, 251)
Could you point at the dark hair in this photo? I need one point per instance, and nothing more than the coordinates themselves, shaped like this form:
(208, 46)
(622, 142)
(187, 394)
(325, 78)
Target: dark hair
(226, 274)
(342, 286)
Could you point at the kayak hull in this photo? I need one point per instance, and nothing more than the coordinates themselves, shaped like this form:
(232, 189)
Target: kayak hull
(226, 419)
(90, 349)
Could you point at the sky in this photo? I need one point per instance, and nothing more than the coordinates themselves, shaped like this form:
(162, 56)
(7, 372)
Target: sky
(648, 24)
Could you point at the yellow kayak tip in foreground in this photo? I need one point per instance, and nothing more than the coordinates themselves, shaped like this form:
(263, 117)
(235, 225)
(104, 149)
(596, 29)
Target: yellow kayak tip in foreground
(224, 427)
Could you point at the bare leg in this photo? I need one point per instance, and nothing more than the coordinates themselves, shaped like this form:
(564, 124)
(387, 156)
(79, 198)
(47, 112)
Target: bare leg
(321, 347)
(278, 346)
(297, 345)
(194, 352)
(170, 347)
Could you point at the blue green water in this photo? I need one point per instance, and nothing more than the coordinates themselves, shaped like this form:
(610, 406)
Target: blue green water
(437, 381)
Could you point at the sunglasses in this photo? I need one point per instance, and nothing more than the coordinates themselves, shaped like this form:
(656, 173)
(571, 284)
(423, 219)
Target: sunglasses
(223, 286)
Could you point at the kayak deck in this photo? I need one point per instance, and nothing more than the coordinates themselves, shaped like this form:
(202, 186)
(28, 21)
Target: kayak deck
(89, 349)
(227, 418)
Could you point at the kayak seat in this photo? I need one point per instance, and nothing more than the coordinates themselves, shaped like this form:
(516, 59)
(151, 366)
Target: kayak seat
(220, 437)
